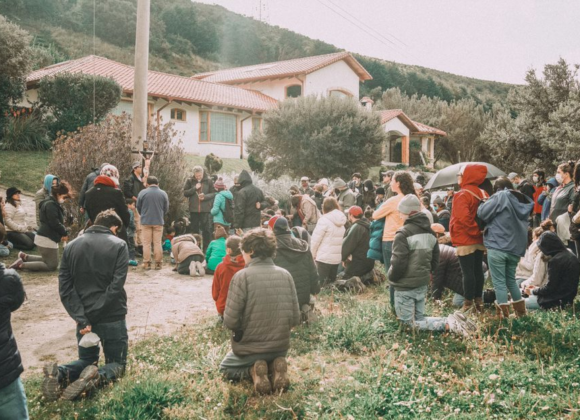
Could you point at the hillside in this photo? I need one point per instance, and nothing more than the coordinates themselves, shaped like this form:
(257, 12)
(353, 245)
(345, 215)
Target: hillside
(188, 38)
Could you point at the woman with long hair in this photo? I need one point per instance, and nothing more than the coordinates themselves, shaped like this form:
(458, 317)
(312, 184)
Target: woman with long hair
(18, 231)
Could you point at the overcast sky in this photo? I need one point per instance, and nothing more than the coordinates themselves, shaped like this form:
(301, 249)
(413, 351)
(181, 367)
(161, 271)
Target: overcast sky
(486, 39)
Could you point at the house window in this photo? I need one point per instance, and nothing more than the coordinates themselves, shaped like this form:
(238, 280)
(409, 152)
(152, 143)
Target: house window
(256, 124)
(339, 94)
(294, 91)
(178, 114)
(216, 127)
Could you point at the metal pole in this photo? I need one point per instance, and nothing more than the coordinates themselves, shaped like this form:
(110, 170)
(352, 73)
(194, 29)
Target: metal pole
(140, 83)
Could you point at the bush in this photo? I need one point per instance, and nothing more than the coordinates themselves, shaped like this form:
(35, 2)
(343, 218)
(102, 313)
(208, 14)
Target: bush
(76, 154)
(213, 163)
(256, 164)
(22, 133)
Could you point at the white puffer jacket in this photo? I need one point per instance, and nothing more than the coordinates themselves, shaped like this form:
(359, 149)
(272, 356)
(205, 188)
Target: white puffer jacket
(326, 242)
(15, 219)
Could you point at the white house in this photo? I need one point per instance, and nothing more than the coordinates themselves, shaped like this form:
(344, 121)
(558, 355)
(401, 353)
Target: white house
(216, 112)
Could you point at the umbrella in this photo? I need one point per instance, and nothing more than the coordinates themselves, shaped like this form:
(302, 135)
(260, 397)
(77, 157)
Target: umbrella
(448, 177)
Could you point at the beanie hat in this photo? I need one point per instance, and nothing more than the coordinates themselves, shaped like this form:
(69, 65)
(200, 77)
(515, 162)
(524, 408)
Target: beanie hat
(281, 225)
(409, 204)
(437, 228)
(272, 221)
(12, 191)
(338, 184)
(355, 211)
(439, 201)
(219, 185)
(380, 191)
(112, 172)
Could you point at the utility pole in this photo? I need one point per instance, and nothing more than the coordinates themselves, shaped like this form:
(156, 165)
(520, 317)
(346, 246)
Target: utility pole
(139, 137)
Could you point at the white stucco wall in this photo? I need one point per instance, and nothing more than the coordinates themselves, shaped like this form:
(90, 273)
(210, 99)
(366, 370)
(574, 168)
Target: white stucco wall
(274, 88)
(29, 97)
(336, 76)
(396, 125)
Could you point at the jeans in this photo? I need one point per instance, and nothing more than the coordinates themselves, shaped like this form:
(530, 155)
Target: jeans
(532, 303)
(472, 269)
(13, 402)
(115, 341)
(410, 308)
(326, 273)
(183, 266)
(387, 254)
(5, 249)
(47, 261)
(236, 368)
(131, 246)
(502, 266)
(152, 234)
(21, 240)
(201, 223)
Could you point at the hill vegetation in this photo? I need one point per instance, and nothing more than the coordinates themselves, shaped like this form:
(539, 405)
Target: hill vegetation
(188, 38)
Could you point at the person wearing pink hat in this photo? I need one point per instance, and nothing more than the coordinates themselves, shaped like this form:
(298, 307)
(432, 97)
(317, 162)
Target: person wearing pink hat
(223, 205)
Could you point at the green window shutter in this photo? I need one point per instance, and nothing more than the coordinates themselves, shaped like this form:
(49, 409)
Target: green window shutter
(223, 128)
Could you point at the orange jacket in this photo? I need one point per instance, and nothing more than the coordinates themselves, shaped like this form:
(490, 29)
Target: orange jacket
(221, 280)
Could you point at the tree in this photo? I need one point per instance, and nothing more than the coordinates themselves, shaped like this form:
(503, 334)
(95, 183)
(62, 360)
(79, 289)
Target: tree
(318, 137)
(70, 101)
(541, 126)
(213, 163)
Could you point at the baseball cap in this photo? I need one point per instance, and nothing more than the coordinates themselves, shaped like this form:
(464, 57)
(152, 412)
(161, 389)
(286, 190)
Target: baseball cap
(355, 211)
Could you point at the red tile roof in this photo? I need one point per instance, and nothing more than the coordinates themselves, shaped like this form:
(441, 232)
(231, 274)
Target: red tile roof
(163, 85)
(425, 129)
(286, 68)
(415, 127)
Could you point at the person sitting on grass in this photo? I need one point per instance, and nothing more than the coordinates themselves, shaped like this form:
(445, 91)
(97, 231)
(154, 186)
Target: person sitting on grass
(188, 255)
(92, 276)
(415, 257)
(231, 264)
(216, 251)
(261, 309)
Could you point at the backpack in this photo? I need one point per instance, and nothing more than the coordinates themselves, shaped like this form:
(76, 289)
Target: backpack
(480, 223)
(228, 211)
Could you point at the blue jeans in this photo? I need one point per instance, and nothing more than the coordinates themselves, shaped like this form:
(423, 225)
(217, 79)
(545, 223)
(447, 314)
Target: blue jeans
(410, 307)
(532, 303)
(502, 266)
(115, 341)
(387, 254)
(13, 402)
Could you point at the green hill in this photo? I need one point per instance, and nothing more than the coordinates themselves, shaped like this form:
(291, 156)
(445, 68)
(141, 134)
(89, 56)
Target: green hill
(188, 38)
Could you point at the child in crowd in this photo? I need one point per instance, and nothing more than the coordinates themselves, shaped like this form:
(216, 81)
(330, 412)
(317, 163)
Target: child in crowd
(231, 264)
(188, 256)
(216, 251)
(131, 231)
(415, 257)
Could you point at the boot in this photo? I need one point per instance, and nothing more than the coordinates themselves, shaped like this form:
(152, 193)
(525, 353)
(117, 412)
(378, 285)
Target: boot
(83, 386)
(467, 305)
(259, 374)
(147, 265)
(519, 308)
(502, 310)
(479, 304)
(51, 386)
(279, 370)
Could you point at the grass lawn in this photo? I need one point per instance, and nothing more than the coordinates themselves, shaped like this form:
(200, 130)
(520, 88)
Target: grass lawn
(26, 170)
(355, 363)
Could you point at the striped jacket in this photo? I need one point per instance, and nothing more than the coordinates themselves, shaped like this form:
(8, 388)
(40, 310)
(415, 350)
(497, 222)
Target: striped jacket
(415, 254)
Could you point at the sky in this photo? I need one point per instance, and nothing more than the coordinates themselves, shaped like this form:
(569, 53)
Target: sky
(486, 39)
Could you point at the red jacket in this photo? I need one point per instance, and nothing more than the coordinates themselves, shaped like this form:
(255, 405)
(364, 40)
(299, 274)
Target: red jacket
(221, 280)
(463, 228)
(537, 193)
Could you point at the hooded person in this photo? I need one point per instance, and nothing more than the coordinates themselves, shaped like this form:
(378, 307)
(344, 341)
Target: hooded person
(355, 245)
(369, 195)
(443, 215)
(248, 202)
(293, 254)
(506, 214)
(104, 196)
(545, 198)
(88, 184)
(231, 264)
(466, 234)
(344, 195)
(44, 193)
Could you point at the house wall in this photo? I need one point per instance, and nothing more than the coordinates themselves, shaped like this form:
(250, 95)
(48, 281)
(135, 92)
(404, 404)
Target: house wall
(396, 125)
(274, 88)
(336, 76)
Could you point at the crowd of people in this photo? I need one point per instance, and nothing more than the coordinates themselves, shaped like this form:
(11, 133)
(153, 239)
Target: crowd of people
(270, 259)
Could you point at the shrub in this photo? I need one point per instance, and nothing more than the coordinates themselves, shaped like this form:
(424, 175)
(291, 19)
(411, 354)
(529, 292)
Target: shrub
(213, 163)
(76, 154)
(255, 163)
(24, 134)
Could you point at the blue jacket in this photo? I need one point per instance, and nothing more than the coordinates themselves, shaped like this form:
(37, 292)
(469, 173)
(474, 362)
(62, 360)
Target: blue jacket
(506, 214)
(152, 205)
(219, 207)
(375, 251)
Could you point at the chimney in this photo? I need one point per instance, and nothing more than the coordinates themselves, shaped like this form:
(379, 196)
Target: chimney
(367, 103)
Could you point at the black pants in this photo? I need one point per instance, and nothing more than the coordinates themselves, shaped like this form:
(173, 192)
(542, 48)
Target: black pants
(326, 273)
(21, 240)
(472, 269)
(183, 266)
(201, 223)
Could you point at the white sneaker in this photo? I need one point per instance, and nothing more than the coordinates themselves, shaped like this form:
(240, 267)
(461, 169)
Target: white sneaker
(200, 269)
(192, 269)
(460, 324)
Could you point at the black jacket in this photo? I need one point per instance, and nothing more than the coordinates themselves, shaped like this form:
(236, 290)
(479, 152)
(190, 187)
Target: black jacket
(87, 185)
(448, 273)
(356, 243)
(92, 277)
(103, 197)
(527, 189)
(52, 220)
(246, 215)
(132, 186)
(563, 273)
(294, 255)
(208, 190)
(11, 298)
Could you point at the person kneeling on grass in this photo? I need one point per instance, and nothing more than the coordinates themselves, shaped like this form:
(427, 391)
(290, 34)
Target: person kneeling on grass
(188, 256)
(216, 251)
(415, 257)
(231, 264)
(91, 281)
(261, 309)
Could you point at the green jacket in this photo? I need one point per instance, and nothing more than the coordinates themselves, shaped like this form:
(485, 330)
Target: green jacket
(216, 251)
(219, 207)
(415, 254)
